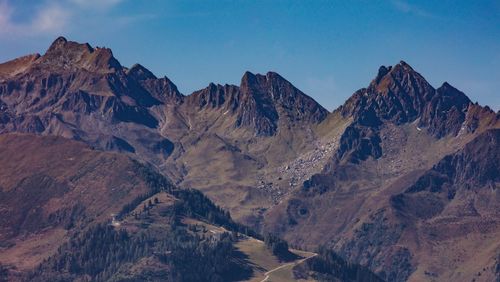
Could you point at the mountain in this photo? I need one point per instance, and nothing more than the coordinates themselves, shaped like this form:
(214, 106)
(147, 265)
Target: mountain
(261, 102)
(242, 134)
(381, 182)
(83, 93)
(361, 203)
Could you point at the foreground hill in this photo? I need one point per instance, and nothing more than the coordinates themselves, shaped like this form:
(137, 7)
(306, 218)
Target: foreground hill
(60, 198)
(54, 184)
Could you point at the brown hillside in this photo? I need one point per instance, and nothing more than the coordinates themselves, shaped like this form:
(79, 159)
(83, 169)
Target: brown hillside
(49, 185)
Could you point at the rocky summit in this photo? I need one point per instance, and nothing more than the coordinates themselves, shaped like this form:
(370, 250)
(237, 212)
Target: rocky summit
(111, 173)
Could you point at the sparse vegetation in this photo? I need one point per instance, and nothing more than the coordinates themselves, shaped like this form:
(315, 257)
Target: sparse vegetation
(100, 252)
(192, 203)
(4, 272)
(277, 246)
(329, 266)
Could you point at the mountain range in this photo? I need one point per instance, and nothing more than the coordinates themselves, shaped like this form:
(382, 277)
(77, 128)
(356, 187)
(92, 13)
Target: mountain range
(403, 179)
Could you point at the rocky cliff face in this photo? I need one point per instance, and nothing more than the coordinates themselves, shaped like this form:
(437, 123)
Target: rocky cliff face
(446, 111)
(65, 55)
(215, 97)
(162, 89)
(266, 99)
(475, 166)
(260, 102)
(398, 94)
(81, 92)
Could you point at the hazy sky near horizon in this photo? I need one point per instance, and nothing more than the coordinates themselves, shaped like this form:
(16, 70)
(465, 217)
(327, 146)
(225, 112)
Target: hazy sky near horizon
(328, 49)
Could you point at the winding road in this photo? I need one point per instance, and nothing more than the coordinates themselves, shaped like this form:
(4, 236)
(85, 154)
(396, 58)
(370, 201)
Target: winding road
(285, 265)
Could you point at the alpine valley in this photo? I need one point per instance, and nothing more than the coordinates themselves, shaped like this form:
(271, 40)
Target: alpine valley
(109, 173)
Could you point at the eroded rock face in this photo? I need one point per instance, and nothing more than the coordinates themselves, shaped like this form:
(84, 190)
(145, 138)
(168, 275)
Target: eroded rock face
(162, 89)
(260, 103)
(446, 111)
(83, 93)
(214, 97)
(357, 144)
(266, 99)
(398, 94)
(473, 167)
(64, 55)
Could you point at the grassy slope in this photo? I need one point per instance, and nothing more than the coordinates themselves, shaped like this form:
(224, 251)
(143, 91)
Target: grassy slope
(50, 183)
(264, 263)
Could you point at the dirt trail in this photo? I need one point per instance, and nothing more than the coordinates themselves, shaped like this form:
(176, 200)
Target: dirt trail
(285, 265)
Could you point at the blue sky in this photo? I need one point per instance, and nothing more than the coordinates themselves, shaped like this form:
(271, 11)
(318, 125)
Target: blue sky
(328, 49)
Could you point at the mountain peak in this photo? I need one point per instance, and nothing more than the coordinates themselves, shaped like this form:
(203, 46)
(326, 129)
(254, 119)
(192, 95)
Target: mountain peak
(65, 55)
(248, 78)
(401, 73)
(397, 93)
(274, 75)
(457, 96)
(260, 102)
(382, 71)
(445, 112)
(270, 97)
(61, 44)
(404, 64)
(446, 84)
(60, 41)
(139, 72)
(401, 67)
(269, 76)
(248, 74)
(450, 89)
(400, 94)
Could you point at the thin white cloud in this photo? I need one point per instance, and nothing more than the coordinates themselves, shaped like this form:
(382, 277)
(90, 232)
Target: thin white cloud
(48, 19)
(408, 8)
(5, 17)
(52, 17)
(5, 14)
